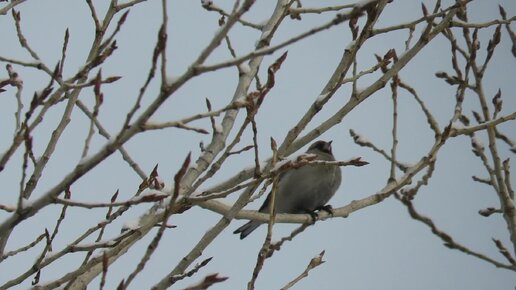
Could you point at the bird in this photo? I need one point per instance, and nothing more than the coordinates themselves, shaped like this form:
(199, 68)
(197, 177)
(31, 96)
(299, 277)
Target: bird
(303, 190)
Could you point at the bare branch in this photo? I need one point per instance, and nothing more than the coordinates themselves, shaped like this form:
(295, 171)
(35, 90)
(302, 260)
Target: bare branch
(448, 240)
(314, 263)
(10, 6)
(207, 282)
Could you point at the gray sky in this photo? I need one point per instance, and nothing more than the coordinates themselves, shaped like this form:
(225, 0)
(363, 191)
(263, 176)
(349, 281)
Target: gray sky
(379, 247)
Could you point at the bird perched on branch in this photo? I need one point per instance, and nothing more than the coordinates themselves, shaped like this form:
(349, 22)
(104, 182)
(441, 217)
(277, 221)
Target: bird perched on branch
(303, 190)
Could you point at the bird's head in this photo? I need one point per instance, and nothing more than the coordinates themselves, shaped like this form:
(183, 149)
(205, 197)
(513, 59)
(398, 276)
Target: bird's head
(321, 146)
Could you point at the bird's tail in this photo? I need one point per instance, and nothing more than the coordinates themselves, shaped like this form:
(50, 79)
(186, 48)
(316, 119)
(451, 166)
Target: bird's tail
(246, 229)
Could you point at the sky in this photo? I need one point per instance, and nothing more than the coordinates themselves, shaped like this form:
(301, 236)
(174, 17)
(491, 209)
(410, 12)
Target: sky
(379, 247)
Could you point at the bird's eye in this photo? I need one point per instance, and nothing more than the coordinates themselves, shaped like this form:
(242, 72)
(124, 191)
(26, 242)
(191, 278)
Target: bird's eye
(325, 147)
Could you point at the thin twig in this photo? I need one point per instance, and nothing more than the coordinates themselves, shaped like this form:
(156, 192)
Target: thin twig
(314, 263)
(447, 239)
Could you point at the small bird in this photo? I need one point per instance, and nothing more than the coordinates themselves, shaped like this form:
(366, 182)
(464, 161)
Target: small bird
(303, 190)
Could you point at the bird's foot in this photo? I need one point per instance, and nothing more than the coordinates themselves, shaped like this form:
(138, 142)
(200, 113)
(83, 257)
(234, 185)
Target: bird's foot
(314, 215)
(327, 208)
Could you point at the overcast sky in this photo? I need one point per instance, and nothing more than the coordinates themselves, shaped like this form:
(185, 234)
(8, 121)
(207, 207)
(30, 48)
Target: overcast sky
(379, 247)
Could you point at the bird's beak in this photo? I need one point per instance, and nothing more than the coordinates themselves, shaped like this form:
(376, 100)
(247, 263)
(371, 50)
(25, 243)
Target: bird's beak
(329, 146)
